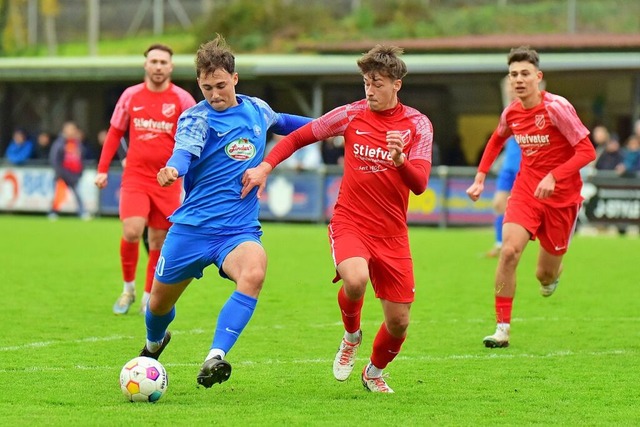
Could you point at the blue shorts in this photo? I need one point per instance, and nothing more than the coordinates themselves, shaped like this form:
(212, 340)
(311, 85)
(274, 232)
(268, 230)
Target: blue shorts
(505, 180)
(188, 250)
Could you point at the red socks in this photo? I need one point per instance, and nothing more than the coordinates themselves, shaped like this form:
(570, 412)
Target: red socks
(129, 259)
(503, 309)
(350, 310)
(385, 347)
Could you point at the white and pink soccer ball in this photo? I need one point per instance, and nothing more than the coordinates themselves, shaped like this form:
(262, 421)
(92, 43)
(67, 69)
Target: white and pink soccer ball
(143, 379)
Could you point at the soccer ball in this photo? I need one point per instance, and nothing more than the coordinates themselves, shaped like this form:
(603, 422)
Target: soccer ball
(143, 379)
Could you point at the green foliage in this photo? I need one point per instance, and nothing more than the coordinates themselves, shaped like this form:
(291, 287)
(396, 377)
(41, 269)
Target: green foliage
(250, 28)
(572, 361)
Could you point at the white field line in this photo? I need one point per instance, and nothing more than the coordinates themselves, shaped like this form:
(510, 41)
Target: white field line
(375, 324)
(494, 355)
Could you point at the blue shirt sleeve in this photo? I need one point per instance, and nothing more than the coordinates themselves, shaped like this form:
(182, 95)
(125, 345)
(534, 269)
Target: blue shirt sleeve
(180, 159)
(287, 123)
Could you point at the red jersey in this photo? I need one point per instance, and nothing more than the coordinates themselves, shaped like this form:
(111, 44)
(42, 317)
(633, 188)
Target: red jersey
(547, 135)
(152, 119)
(373, 196)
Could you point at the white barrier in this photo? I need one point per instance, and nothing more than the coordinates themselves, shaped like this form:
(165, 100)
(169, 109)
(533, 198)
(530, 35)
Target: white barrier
(31, 189)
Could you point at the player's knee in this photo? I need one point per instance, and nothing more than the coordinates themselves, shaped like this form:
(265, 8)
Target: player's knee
(509, 253)
(397, 326)
(131, 234)
(355, 285)
(251, 280)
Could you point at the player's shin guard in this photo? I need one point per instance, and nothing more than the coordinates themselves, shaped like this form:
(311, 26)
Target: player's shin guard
(157, 325)
(385, 347)
(233, 318)
(350, 310)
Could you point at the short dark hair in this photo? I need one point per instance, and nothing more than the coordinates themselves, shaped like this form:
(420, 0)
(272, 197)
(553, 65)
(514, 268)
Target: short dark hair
(213, 55)
(158, 46)
(524, 54)
(384, 60)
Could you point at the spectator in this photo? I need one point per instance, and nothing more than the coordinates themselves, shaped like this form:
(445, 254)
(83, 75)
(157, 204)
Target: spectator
(333, 150)
(67, 159)
(631, 156)
(599, 138)
(611, 157)
(42, 148)
(20, 148)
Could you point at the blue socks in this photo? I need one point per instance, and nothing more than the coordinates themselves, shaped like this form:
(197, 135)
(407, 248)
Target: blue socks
(157, 325)
(233, 317)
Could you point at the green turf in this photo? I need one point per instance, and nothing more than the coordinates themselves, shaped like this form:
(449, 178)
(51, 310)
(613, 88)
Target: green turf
(573, 358)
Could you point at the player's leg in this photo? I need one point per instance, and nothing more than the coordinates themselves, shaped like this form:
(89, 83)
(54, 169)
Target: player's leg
(159, 314)
(355, 276)
(515, 240)
(548, 272)
(556, 231)
(386, 345)
(246, 265)
(351, 257)
(134, 210)
(391, 270)
(181, 260)
(129, 252)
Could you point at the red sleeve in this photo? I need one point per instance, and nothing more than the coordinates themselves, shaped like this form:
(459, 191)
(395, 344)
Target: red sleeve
(415, 174)
(109, 149)
(585, 154)
(491, 151)
(289, 144)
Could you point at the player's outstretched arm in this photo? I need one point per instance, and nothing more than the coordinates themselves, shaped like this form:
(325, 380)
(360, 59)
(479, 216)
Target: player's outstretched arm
(255, 177)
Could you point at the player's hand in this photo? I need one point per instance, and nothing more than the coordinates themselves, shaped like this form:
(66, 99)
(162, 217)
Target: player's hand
(167, 176)
(395, 145)
(476, 189)
(255, 177)
(101, 180)
(546, 187)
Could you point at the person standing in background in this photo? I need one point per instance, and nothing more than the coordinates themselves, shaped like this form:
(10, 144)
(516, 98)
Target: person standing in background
(67, 158)
(150, 112)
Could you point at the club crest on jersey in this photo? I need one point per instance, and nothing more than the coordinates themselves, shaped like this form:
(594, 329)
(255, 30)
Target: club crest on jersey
(240, 149)
(257, 131)
(539, 121)
(168, 110)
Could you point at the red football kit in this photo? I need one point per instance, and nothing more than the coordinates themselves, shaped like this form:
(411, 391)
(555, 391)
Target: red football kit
(370, 215)
(552, 140)
(151, 119)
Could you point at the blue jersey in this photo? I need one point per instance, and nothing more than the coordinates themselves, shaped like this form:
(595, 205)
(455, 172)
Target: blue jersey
(223, 144)
(512, 156)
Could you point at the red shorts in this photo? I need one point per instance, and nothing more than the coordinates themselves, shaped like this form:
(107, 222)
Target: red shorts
(552, 226)
(388, 258)
(153, 202)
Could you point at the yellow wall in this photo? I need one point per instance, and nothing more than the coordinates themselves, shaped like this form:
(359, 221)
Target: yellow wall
(475, 130)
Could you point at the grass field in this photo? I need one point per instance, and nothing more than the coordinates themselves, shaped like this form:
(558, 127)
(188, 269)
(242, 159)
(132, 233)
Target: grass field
(573, 360)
